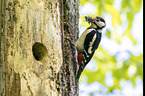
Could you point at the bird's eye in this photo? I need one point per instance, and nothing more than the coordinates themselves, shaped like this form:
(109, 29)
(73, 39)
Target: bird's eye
(97, 20)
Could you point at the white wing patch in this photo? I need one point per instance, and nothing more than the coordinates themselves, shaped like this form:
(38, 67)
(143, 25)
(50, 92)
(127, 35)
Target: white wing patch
(91, 44)
(80, 42)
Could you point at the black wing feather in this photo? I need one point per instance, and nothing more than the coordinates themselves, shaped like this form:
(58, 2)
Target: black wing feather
(88, 40)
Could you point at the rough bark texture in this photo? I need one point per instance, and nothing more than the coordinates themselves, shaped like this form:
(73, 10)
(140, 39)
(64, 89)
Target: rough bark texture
(37, 54)
(69, 17)
(1, 70)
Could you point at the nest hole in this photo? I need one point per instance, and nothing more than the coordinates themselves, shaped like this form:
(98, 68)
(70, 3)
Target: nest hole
(40, 52)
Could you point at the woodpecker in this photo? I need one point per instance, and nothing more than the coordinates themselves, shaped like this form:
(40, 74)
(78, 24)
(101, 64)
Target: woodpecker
(89, 42)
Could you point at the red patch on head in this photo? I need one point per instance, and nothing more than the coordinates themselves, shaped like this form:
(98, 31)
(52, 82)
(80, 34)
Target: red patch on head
(105, 24)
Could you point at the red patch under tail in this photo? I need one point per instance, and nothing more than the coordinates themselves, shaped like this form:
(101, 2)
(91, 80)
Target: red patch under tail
(80, 59)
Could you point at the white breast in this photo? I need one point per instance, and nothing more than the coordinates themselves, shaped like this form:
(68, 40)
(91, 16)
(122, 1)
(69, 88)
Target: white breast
(81, 40)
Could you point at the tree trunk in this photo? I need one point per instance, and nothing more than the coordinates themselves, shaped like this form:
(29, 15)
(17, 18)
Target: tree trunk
(38, 56)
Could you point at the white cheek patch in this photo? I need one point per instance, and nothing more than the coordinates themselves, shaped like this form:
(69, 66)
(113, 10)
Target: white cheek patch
(100, 24)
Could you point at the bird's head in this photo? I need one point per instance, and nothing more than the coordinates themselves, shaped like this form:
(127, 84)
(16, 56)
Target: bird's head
(96, 22)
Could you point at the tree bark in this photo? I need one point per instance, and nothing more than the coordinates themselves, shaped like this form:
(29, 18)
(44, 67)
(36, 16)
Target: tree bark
(37, 54)
(69, 25)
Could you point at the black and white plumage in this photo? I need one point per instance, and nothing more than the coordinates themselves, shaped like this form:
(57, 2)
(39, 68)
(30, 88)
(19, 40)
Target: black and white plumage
(89, 42)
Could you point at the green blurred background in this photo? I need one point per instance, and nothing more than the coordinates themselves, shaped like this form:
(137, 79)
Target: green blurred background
(117, 65)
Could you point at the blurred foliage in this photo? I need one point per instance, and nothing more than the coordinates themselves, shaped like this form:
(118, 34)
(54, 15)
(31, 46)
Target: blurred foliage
(107, 62)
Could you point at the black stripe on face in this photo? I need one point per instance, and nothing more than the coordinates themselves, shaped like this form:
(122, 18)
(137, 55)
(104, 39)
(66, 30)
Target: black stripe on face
(98, 26)
(101, 19)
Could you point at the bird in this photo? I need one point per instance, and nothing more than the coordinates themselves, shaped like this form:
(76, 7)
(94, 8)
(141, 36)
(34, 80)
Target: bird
(89, 42)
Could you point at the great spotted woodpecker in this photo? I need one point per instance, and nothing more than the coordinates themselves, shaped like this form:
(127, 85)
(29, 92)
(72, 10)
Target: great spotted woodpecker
(89, 42)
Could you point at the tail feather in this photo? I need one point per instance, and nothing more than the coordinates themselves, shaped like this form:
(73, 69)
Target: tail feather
(83, 60)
